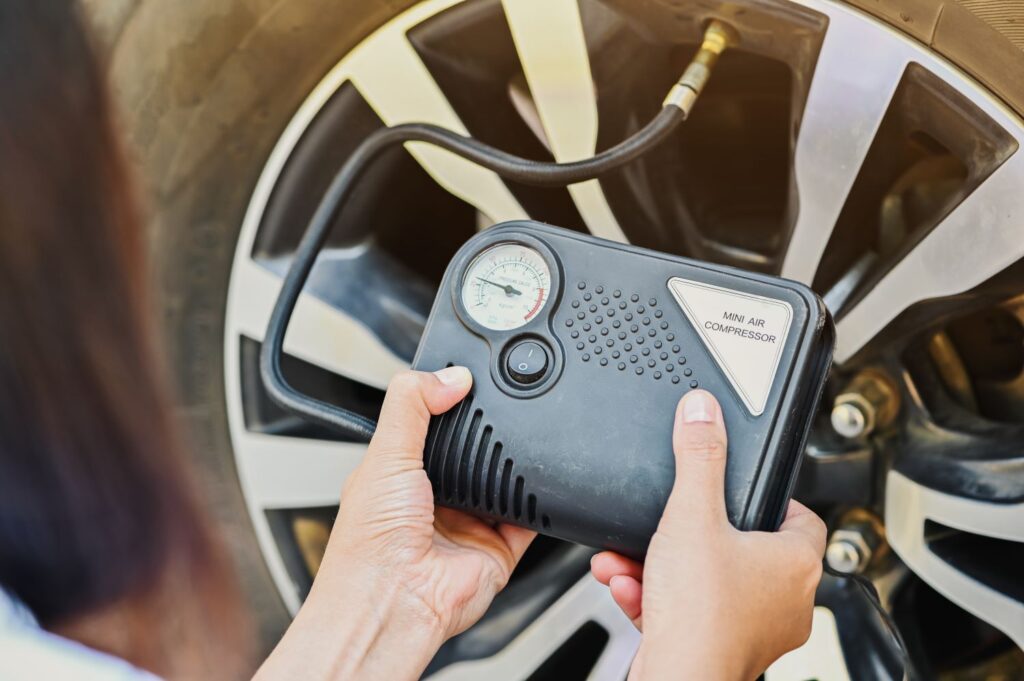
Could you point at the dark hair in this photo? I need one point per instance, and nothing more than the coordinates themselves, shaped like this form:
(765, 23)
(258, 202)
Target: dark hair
(96, 511)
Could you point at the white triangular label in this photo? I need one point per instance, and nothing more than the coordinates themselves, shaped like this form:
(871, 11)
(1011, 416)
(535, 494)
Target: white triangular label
(745, 334)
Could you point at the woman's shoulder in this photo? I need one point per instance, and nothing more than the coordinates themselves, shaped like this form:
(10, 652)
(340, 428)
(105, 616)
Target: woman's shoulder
(29, 652)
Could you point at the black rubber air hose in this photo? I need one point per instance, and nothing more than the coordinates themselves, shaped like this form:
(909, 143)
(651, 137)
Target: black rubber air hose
(526, 171)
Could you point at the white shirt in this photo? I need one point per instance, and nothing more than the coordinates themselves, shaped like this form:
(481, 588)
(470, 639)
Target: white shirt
(28, 653)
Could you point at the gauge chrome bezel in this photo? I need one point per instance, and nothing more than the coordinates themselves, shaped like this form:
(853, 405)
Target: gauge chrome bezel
(539, 328)
(469, 288)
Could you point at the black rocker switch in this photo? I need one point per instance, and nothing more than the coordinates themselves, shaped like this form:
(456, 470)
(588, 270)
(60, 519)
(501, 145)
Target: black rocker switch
(527, 362)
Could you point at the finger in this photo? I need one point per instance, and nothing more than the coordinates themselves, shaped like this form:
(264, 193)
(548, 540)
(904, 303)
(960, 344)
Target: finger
(608, 564)
(628, 595)
(699, 443)
(804, 523)
(412, 397)
(506, 544)
(517, 538)
(795, 508)
(454, 521)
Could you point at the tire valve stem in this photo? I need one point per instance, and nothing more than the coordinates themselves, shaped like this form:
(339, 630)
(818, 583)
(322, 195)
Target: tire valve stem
(717, 37)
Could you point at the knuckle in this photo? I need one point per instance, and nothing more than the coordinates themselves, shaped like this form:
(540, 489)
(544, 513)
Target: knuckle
(399, 434)
(404, 382)
(815, 572)
(499, 579)
(704, 444)
(802, 634)
(392, 444)
(820, 531)
(797, 632)
(809, 561)
(819, 523)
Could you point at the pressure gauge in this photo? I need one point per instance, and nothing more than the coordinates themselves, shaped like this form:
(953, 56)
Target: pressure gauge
(506, 286)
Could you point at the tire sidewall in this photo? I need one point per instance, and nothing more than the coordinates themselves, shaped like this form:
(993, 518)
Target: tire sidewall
(205, 91)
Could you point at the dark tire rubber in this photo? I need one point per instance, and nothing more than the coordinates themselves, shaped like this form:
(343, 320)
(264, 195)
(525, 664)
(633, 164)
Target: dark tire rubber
(207, 87)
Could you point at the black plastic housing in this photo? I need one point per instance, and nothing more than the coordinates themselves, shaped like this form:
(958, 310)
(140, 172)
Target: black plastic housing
(586, 454)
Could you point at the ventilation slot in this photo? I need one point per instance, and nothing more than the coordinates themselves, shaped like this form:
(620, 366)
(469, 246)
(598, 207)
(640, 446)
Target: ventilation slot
(448, 443)
(452, 451)
(467, 450)
(478, 465)
(506, 482)
(492, 476)
(444, 442)
(431, 453)
(467, 468)
(517, 498)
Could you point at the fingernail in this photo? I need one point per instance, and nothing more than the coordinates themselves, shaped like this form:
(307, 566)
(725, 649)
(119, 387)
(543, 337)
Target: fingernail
(699, 407)
(454, 376)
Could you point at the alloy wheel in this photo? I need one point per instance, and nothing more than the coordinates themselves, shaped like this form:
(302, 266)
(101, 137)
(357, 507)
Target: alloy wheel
(829, 148)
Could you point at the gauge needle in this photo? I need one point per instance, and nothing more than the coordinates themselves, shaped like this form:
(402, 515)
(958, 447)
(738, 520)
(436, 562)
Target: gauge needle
(509, 290)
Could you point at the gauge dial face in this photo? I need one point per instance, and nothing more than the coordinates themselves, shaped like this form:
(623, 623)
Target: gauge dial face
(506, 286)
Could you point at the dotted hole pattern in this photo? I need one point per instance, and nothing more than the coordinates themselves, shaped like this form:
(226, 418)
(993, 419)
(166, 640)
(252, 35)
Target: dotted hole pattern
(624, 331)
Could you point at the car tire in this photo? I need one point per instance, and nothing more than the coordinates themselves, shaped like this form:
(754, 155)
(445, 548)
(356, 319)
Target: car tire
(205, 89)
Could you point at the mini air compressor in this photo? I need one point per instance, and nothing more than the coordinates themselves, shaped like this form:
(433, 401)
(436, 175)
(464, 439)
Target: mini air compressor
(580, 349)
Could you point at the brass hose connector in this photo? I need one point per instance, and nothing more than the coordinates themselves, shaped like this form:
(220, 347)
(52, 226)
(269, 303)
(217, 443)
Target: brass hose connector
(717, 37)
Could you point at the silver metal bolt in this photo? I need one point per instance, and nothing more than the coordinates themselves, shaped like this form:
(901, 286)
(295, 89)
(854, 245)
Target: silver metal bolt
(855, 543)
(844, 556)
(869, 401)
(850, 420)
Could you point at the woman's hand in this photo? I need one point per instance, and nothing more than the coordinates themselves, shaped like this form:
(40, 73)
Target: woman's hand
(399, 576)
(450, 563)
(714, 602)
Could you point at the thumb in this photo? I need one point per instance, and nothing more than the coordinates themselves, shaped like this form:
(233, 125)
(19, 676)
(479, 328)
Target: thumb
(699, 442)
(412, 397)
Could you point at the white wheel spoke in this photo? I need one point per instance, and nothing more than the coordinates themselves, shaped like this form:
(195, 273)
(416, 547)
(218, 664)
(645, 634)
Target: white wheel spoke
(978, 239)
(908, 505)
(587, 601)
(394, 81)
(848, 98)
(617, 656)
(318, 333)
(294, 472)
(548, 35)
(820, 658)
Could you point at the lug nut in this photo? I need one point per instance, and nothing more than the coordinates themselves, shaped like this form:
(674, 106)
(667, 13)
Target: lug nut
(869, 401)
(856, 543)
(850, 419)
(845, 556)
